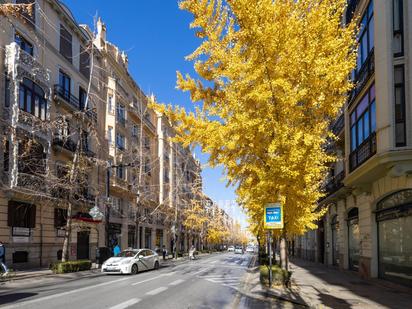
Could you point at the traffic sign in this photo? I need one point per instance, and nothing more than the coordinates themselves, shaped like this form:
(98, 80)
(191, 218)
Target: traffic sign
(273, 216)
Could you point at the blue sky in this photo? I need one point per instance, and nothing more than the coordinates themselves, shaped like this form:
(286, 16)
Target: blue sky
(156, 37)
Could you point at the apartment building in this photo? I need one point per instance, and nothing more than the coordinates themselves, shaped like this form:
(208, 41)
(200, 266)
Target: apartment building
(179, 184)
(131, 137)
(368, 227)
(50, 135)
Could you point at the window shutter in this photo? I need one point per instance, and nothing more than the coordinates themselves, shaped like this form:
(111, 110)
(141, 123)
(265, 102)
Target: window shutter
(65, 43)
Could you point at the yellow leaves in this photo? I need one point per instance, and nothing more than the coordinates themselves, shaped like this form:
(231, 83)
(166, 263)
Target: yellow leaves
(276, 74)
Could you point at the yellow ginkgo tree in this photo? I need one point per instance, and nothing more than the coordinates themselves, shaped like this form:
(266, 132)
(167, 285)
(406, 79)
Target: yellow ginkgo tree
(272, 75)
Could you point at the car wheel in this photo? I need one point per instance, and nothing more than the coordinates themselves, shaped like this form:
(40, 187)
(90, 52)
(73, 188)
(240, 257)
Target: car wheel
(135, 270)
(156, 265)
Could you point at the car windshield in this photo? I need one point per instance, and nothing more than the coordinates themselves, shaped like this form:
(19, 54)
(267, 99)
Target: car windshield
(127, 253)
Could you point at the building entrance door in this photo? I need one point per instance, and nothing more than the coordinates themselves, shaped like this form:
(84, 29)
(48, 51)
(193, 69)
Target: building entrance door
(83, 245)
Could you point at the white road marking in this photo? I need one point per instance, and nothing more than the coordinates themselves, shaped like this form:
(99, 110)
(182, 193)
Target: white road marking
(33, 301)
(213, 262)
(200, 271)
(126, 304)
(154, 278)
(157, 291)
(179, 281)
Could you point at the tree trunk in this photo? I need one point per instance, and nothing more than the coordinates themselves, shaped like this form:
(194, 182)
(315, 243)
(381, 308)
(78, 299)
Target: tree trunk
(283, 252)
(67, 234)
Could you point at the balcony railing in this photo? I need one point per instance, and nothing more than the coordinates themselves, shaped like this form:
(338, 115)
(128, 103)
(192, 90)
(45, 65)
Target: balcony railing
(65, 142)
(362, 76)
(66, 96)
(338, 125)
(335, 183)
(364, 151)
(73, 101)
(121, 120)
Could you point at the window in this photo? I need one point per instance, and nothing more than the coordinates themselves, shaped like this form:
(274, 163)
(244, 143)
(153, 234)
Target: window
(6, 155)
(23, 43)
(120, 172)
(32, 158)
(60, 217)
(32, 99)
(6, 91)
(65, 85)
(363, 119)
(84, 65)
(110, 135)
(147, 167)
(397, 28)
(85, 140)
(21, 214)
(82, 98)
(110, 104)
(120, 141)
(147, 142)
(121, 115)
(135, 130)
(400, 118)
(366, 37)
(65, 43)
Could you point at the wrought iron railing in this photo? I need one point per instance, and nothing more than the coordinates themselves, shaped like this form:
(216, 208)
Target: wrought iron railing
(363, 152)
(362, 76)
(65, 142)
(338, 125)
(335, 183)
(66, 96)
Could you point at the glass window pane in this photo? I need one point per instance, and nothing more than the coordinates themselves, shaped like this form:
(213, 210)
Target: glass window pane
(21, 97)
(372, 93)
(364, 47)
(363, 105)
(353, 138)
(371, 34)
(360, 131)
(399, 75)
(36, 106)
(352, 118)
(395, 249)
(366, 124)
(28, 102)
(373, 117)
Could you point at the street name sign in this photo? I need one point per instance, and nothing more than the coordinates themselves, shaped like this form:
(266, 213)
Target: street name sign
(273, 216)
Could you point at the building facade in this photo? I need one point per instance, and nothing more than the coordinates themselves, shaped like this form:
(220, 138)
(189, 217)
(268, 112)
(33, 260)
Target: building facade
(79, 142)
(368, 195)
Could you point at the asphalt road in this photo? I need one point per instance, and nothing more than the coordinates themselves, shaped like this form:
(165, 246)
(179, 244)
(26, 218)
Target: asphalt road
(210, 282)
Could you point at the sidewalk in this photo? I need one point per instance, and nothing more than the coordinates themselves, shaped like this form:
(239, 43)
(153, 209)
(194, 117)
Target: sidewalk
(317, 286)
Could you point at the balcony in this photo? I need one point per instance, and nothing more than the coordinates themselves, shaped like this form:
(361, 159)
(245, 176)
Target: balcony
(364, 151)
(350, 10)
(335, 183)
(338, 125)
(72, 101)
(121, 121)
(66, 96)
(65, 143)
(362, 76)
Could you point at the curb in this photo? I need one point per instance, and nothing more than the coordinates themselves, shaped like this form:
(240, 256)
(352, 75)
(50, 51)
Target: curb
(84, 274)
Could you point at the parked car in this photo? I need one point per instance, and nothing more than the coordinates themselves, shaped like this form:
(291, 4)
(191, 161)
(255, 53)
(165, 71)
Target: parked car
(250, 249)
(231, 249)
(239, 250)
(131, 261)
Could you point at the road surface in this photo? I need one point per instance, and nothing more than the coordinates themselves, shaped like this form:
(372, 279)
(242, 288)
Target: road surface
(210, 282)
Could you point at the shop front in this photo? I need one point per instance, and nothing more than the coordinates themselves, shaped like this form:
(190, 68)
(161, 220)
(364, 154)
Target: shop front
(353, 238)
(394, 225)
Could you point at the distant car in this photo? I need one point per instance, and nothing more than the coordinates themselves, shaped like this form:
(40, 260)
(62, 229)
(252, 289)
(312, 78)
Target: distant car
(250, 249)
(131, 261)
(239, 250)
(231, 249)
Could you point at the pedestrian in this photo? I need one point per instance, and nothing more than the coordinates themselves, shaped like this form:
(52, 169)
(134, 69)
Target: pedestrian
(164, 251)
(3, 258)
(192, 253)
(116, 250)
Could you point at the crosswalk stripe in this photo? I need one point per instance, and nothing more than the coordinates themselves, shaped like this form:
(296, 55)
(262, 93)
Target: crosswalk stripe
(179, 281)
(126, 304)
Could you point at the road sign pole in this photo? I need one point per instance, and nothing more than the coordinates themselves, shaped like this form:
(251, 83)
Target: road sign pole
(270, 257)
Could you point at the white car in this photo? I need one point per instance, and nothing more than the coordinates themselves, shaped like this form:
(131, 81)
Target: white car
(231, 249)
(250, 249)
(131, 261)
(239, 250)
